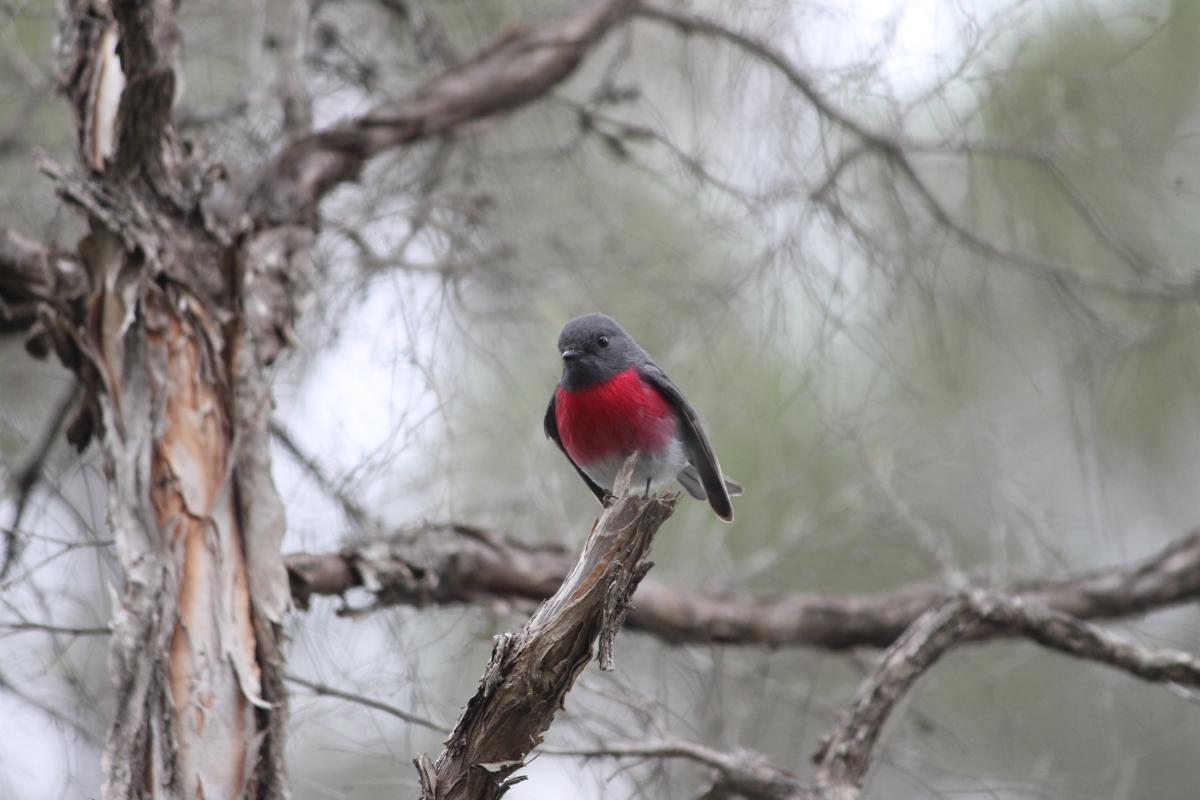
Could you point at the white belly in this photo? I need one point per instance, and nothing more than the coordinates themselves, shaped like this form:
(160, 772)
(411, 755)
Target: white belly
(656, 466)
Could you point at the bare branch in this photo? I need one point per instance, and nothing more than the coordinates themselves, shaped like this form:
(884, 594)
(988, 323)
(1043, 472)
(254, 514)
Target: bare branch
(430, 41)
(325, 690)
(350, 507)
(845, 756)
(32, 272)
(457, 564)
(1074, 637)
(517, 68)
(50, 710)
(741, 773)
(45, 627)
(530, 672)
(297, 104)
(1140, 288)
(935, 547)
(894, 149)
(25, 480)
(800, 80)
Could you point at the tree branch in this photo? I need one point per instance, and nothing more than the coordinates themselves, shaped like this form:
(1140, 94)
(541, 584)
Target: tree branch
(801, 81)
(741, 773)
(324, 690)
(45, 627)
(845, 757)
(51, 710)
(350, 507)
(458, 564)
(895, 149)
(1074, 637)
(530, 672)
(297, 104)
(25, 480)
(32, 272)
(517, 68)
(148, 46)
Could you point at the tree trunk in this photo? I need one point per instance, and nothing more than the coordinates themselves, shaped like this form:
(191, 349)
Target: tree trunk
(177, 400)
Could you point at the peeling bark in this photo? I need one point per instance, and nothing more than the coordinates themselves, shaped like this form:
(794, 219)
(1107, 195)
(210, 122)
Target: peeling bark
(175, 395)
(193, 503)
(184, 649)
(100, 137)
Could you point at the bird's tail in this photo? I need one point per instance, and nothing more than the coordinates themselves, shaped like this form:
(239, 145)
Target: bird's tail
(689, 478)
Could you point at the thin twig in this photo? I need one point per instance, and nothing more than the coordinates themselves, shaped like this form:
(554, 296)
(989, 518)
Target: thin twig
(294, 96)
(51, 711)
(350, 507)
(27, 479)
(741, 773)
(894, 150)
(325, 690)
(934, 546)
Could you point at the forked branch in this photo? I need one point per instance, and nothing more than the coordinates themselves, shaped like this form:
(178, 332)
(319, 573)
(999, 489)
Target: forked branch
(846, 755)
(520, 66)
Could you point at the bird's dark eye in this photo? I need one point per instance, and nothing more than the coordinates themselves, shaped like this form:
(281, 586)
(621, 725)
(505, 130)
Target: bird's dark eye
(602, 341)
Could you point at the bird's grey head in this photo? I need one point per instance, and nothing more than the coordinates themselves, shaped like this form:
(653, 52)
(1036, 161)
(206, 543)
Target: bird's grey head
(594, 348)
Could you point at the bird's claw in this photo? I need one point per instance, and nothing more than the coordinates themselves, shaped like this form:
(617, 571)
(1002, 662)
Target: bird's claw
(608, 499)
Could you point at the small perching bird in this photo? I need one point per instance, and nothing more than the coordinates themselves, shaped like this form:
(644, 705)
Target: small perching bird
(612, 401)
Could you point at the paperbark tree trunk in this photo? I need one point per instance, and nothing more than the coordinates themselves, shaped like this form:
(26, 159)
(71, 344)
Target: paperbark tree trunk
(170, 309)
(177, 402)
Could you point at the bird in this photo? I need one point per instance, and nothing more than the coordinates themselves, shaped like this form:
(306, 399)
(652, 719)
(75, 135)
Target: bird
(613, 400)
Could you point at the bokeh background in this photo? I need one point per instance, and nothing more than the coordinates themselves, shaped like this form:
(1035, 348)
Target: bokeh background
(860, 360)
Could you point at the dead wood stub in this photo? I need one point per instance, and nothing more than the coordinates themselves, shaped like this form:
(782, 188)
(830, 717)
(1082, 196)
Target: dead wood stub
(530, 672)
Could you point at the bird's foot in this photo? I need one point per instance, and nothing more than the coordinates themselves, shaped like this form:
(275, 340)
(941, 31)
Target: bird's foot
(608, 499)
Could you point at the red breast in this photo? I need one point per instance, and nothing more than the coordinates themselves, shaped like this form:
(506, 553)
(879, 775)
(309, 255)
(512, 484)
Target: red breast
(619, 415)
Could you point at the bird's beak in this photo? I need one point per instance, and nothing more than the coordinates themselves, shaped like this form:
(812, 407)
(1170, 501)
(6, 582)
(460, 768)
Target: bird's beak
(571, 355)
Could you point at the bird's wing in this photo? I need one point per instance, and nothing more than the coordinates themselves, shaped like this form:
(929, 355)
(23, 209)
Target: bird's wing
(550, 425)
(692, 434)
